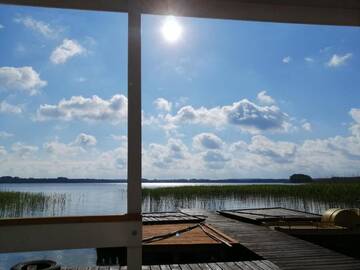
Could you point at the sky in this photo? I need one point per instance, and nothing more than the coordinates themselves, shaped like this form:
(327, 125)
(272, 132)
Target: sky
(221, 98)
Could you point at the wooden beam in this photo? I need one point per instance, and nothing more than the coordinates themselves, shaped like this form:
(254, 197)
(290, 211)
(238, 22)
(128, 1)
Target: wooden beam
(96, 5)
(55, 236)
(68, 219)
(134, 251)
(332, 12)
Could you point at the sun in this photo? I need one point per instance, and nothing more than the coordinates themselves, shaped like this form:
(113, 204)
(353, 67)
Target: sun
(171, 29)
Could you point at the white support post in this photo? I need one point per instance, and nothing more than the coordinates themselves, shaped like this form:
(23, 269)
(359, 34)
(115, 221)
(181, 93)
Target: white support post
(134, 253)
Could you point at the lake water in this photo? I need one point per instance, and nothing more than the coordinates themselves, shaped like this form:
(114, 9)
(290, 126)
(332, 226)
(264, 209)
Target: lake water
(103, 199)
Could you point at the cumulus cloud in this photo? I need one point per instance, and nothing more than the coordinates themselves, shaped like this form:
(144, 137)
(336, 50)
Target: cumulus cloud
(355, 127)
(163, 104)
(85, 140)
(306, 126)
(277, 151)
(287, 60)
(244, 114)
(3, 151)
(38, 26)
(207, 141)
(4, 135)
(68, 49)
(8, 108)
(24, 79)
(23, 150)
(253, 118)
(58, 149)
(214, 159)
(88, 109)
(163, 156)
(265, 99)
(338, 60)
(309, 59)
(120, 138)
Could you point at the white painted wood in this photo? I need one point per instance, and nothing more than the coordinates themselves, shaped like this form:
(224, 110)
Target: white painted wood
(16, 238)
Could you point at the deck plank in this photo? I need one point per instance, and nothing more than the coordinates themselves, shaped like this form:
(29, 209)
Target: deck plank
(282, 250)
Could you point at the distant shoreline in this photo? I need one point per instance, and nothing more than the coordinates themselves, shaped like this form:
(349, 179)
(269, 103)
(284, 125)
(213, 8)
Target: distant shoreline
(63, 180)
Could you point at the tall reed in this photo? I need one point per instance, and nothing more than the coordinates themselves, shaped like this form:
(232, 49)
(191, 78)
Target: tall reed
(344, 192)
(17, 204)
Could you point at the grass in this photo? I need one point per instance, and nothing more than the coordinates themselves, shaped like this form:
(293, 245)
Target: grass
(348, 192)
(14, 204)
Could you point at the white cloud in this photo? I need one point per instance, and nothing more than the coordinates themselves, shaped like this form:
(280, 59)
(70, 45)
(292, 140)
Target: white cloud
(166, 156)
(24, 79)
(88, 109)
(243, 114)
(207, 141)
(120, 138)
(38, 26)
(309, 59)
(58, 149)
(3, 151)
(68, 49)
(306, 126)
(215, 159)
(1, 26)
(277, 151)
(287, 60)
(355, 127)
(85, 140)
(163, 104)
(265, 99)
(4, 135)
(23, 150)
(339, 60)
(8, 108)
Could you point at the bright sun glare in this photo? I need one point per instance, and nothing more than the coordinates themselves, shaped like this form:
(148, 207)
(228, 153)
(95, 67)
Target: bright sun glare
(171, 29)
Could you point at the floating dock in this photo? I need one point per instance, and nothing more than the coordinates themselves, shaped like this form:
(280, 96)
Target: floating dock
(260, 247)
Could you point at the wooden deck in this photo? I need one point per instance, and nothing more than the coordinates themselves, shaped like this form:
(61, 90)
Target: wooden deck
(287, 252)
(169, 217)
(268, 215)
(242, 265)
(194, 236)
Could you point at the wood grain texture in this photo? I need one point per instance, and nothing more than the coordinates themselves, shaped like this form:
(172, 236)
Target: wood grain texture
(285, 251)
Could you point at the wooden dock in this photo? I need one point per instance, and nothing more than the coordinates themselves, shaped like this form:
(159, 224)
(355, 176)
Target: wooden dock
(274, 250)
(241, 265)
(285, 251)
(269, 215)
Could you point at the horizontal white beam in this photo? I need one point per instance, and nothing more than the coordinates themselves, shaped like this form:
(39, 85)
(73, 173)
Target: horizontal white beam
(69, 235)
(332, 12)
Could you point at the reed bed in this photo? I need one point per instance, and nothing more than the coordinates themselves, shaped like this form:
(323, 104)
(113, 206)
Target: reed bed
(348, 192)
(16, 204)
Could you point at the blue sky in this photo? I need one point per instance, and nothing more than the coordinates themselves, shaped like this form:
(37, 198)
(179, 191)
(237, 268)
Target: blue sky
(228, 99)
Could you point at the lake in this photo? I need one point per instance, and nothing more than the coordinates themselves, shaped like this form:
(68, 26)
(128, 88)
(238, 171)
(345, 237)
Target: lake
(104, 199)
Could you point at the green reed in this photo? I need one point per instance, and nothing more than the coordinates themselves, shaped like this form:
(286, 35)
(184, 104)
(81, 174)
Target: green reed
(342, 192)
(16, 204)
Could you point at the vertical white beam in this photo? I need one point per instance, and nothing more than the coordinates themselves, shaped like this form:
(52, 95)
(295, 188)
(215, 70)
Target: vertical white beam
(134, 253)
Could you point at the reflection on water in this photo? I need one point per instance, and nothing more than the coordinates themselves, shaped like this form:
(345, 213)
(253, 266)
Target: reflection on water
(103, 199)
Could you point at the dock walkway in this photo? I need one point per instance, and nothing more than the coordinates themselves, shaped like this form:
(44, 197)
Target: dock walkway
(285, 251)
(242, 265)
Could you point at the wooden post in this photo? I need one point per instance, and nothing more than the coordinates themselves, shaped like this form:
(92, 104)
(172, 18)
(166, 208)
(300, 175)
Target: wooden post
(134, 253)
